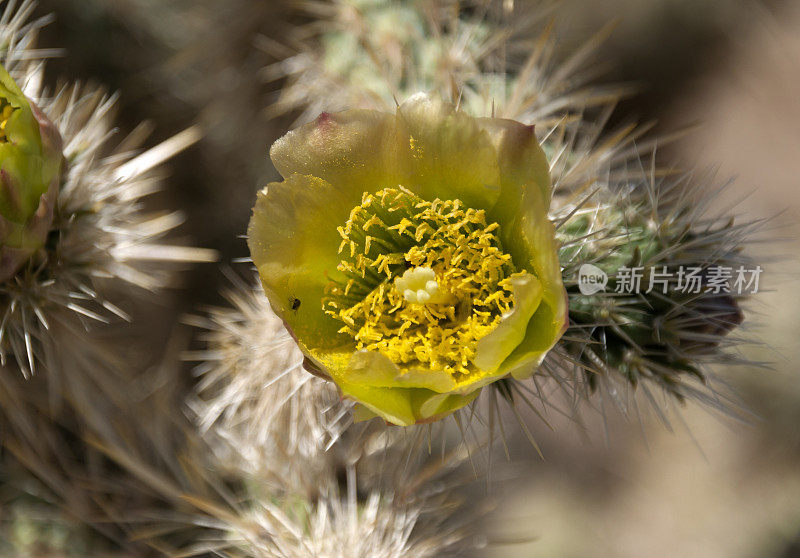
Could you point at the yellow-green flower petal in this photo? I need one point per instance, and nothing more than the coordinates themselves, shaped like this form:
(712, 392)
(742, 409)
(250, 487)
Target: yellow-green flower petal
(548, 324)
(527, 232)
(522, 161)
(293, 243)
(493, 349)
(352, 151)
(375, 369)
(404, 406)
(427, 147)
(445, 154)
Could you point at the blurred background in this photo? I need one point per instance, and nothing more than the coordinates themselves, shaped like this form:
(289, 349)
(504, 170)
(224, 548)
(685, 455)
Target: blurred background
(705, 487)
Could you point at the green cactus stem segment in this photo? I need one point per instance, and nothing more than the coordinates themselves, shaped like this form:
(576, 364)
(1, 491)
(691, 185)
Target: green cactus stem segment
(421, 282)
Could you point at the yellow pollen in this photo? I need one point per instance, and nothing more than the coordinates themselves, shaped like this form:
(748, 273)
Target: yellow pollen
(427, 282)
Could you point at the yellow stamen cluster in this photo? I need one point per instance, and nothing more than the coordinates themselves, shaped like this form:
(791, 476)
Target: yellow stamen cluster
(6, 111)
(394, 231)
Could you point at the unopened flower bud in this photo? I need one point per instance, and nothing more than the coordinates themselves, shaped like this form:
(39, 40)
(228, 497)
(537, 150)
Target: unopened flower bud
(30, 167)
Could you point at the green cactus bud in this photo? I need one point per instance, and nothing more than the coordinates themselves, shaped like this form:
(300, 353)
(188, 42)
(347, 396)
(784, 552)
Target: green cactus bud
(30, 166)
(663, 335)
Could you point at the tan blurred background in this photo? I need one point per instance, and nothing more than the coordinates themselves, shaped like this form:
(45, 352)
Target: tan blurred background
(710, 488)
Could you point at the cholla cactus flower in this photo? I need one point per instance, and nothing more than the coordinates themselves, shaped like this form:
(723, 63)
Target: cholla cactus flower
(411, 255)
(30, 165)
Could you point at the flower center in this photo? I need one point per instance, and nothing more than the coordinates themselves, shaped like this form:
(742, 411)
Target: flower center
(422, 282)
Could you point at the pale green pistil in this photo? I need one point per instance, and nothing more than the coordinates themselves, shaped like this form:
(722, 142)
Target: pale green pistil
(419, 286)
